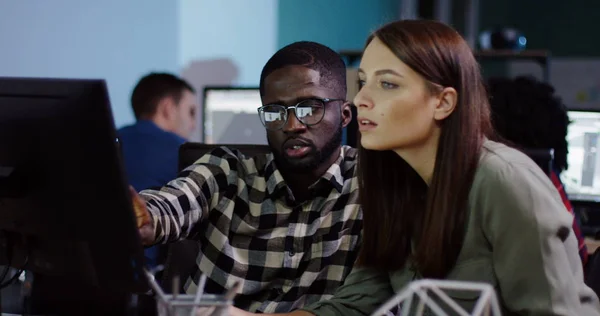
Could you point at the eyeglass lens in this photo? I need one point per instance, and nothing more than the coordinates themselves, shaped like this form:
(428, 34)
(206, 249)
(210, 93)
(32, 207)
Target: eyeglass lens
(308, 112)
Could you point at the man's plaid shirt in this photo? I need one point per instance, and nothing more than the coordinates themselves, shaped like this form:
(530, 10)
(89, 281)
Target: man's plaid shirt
(286, 255)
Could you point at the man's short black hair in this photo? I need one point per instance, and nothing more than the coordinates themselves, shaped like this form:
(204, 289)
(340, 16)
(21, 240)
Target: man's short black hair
(314, 56)
(154, 87)
(526, 112)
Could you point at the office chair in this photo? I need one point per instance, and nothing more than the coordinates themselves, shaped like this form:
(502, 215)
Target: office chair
(181, 256)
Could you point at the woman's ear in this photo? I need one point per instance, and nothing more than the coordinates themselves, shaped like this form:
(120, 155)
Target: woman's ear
(447, 100)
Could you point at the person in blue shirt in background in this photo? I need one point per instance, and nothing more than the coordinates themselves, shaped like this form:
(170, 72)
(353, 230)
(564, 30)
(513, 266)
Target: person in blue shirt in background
(165, 108)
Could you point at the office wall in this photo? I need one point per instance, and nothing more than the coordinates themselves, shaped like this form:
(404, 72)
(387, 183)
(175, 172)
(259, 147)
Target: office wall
(114, 40)
(239, 34)
(209, 42)
(340, 24)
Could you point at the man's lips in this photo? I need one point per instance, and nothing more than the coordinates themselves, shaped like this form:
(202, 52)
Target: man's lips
(296, 142)
(297, 148)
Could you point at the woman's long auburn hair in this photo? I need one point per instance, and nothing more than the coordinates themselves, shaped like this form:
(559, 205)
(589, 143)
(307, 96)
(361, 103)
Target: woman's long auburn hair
(404, 219)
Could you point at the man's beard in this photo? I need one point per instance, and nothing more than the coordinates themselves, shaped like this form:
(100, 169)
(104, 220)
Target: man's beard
(311, 162)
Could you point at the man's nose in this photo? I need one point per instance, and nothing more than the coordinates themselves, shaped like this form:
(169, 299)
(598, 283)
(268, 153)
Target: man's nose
(293, 125)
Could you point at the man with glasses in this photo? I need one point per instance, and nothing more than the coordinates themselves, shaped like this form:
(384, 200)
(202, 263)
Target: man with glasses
(286, 225)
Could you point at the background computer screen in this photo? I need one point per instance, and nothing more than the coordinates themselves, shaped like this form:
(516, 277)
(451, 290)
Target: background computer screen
(582, 179)
(231, 116)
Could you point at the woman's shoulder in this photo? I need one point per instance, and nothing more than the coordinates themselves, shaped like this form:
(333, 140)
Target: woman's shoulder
(509, 177)
(500, 164)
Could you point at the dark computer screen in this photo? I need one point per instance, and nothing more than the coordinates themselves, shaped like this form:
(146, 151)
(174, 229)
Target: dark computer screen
(65, 209)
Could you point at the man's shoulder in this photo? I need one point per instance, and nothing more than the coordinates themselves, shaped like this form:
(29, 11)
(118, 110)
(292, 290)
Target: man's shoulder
(228, 151)
(143, 130)
(349, 153)
(349, 159)
(246, 161)
(136, 126)
(125, 130)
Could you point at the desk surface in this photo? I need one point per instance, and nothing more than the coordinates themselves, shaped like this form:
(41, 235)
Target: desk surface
(592, 244)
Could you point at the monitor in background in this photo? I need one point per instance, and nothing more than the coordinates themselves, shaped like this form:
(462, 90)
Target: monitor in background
(582, 178)
(231, 116)
(65, 209)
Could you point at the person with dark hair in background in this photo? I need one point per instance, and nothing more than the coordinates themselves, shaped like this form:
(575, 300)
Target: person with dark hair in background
(165, 108)
(286, 225)
(440, 199)
(528, 114)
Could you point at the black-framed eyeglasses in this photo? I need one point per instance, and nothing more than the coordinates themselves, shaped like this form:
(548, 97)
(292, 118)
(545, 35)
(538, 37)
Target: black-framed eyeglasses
(308, 111)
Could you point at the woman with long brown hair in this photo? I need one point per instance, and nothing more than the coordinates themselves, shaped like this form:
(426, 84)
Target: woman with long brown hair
(440, 199)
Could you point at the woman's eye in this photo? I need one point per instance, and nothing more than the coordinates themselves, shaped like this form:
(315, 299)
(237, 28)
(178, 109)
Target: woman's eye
(361, 83)
(388, 85)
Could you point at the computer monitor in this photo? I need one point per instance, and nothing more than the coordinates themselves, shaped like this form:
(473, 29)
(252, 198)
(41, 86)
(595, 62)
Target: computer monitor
(65, 208)
(231, 116)
(582, 178)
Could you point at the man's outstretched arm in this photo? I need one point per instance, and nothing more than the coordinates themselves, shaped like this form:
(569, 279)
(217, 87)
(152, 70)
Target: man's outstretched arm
(143, 219)
(171, 212)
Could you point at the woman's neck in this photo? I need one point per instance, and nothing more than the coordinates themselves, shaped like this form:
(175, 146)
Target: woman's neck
(421, 158)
